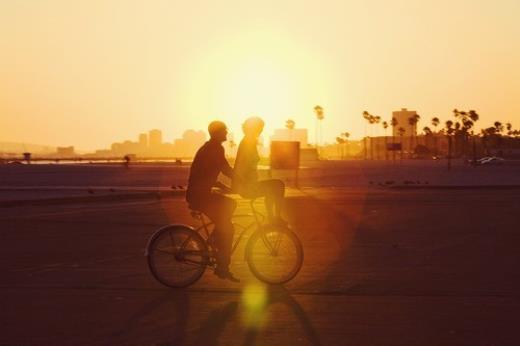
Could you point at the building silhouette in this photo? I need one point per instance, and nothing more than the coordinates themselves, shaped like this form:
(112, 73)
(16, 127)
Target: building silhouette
(143, 140)
(155, 138)
(402, 117)
(65, 151)
(190, 142)
(151, 145)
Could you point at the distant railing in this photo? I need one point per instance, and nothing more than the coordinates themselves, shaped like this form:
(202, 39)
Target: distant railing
(122, 159)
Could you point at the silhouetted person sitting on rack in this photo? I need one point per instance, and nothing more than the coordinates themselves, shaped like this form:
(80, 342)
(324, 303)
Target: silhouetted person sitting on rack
(208, 163)
(245, 177)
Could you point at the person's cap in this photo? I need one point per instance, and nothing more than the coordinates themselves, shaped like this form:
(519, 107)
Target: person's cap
(216, 126)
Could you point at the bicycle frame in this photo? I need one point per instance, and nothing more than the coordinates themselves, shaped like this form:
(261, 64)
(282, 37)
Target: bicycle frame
(184, 244)
(258, 221)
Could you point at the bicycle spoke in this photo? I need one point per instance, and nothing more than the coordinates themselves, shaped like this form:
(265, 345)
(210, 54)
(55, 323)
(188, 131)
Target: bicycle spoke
(178, 256)
(267, 243)
(274, 256)
(166, 252)
(189, 263)
(186, 242)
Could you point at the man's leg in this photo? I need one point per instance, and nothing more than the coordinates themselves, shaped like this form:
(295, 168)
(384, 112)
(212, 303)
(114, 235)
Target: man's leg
(220, 209)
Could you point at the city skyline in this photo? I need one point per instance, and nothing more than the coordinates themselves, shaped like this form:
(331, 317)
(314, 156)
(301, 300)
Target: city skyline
(154, 137)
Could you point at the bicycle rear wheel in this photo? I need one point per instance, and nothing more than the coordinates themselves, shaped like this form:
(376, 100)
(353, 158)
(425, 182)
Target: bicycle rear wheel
(177, 256)
(274, 255)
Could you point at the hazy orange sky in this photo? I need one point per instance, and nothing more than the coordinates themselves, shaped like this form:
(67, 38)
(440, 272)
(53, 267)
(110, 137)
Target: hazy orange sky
(91, 72)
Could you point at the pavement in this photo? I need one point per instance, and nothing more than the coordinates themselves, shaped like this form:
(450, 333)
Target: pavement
(40, 184)
(354, 173)
(15, 196)
(382, 267)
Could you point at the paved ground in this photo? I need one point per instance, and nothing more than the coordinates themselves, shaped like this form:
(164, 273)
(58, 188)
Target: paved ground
(381, 268)
(321, 173)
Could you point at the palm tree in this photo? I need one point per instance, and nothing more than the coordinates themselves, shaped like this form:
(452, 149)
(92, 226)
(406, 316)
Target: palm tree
(385, 127)
(318, 111)
(232, 144)
(499, 128)
(427, 133)
(457, 115)
(346, 136)
(457, 132)
(376, 119)
(290, 124)
(393, 123)
(473, 115)
(509, 133)
(401, 132)
(435, 123)
(464, 128)
(474, 118)
(368, 118)
(449, 132)
(342, 141)
(487, 133)
(412, 121)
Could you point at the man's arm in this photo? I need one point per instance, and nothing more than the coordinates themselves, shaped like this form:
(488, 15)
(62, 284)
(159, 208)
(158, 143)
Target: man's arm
(222, 187)
(225, 168)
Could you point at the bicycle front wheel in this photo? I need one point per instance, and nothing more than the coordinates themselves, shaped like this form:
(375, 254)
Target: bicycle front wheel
(274, 255)
(177, 256)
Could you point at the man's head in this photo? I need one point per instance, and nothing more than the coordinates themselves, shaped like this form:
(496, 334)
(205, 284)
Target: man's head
(218, 131)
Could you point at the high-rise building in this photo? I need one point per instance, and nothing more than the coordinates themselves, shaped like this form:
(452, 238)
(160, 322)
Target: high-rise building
(403, 121)
(65, 151)
(143, 140)
(155, 138)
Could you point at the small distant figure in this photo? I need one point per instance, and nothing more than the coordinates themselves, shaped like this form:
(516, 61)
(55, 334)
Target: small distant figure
(208, 163)
(27, 157)
(127, 161)
(245, 178)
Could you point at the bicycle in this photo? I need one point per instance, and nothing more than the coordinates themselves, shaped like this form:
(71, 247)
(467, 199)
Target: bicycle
(178, 254)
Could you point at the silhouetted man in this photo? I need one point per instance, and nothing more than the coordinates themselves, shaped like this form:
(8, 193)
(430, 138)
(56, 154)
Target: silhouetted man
(208, 163)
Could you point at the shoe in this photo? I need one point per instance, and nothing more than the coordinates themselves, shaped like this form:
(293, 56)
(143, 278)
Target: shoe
(226, 275)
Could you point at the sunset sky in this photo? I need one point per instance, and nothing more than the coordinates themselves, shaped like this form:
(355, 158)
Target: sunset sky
(88, 73)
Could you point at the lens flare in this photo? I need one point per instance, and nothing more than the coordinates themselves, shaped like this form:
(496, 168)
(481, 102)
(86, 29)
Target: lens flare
(254, 300)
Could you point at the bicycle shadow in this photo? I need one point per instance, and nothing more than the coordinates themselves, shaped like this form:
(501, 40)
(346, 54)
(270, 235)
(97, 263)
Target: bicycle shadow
(181, 302)
(212, 328)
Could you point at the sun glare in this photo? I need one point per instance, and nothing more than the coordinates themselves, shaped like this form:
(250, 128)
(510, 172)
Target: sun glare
(258, 87)
(258, 73)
